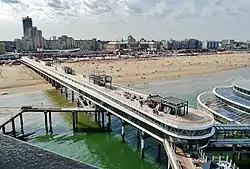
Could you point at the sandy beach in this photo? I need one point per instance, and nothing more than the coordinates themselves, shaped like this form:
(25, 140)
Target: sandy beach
(132, 71)
(20, 79)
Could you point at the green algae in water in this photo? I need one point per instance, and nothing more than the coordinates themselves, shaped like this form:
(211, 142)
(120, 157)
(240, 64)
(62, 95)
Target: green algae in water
(100, 149)
(84, 119)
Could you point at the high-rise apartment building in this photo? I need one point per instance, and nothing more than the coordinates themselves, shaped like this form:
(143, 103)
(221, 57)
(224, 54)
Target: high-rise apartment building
(27, 23)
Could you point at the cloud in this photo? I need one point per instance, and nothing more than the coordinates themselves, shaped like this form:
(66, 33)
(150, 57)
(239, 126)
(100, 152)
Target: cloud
(135, 14)
(57, 4)
(10, 1)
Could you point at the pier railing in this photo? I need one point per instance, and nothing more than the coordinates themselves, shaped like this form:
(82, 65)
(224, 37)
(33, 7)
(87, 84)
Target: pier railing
(179, 124)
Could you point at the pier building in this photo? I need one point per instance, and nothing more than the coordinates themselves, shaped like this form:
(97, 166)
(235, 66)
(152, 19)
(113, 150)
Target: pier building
(228, 104)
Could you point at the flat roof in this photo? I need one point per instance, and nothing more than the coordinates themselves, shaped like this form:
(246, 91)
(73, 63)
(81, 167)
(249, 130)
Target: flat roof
(225, 110)
(168, 100)
(229, 94)
(174, 100)
(244, 84)
(19, 154)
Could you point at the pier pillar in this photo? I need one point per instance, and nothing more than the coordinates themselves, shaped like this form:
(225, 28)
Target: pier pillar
(57, 85)
(73, 121)
(76, 117)
(3, 129)
(46, 121)
(72, 96)
(66, 92)
(103, 120)
(61, 89)
(13, 127)
(99, 119)
(50, 123)
(109, 122)
(95, 116)
(158, 159)
(142, 145)
(123, 132)
(21, 122)
(138, 139)
(78, 103)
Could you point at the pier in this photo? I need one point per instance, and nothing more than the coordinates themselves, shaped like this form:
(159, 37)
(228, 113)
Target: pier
(173, 120)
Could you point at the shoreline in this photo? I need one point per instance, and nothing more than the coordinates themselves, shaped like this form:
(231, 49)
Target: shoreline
(136, 71)
(8, 92)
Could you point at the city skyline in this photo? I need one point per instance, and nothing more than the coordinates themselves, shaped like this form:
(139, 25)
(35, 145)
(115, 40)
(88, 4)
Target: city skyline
(115, 19)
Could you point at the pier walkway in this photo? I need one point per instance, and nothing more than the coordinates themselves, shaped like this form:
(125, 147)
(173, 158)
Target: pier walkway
(7, 114)
(113, 99)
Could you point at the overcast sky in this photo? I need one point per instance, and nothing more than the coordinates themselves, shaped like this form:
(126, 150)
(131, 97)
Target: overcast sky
(116, 19)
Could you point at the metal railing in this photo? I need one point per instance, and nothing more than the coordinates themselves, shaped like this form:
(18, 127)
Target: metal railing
(180, 123)
(171, 155)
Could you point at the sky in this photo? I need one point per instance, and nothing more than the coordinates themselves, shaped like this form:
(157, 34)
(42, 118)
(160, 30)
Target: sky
(116, 19)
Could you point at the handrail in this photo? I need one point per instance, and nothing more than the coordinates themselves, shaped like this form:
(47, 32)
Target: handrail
(171, 155)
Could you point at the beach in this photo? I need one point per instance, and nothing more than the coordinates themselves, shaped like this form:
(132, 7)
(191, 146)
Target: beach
(20, 79)
(143, 70)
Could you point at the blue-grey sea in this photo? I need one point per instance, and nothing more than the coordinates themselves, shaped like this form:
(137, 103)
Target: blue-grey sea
(107, 150)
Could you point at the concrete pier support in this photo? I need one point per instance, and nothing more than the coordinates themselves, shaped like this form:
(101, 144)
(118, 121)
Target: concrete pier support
(109, 121)
(123, 131)
(50, 123)
(46, 121)
(78, 103)
(13, 127)
(57, 86)
(158, 159)
(142, 145)
(66, 92)
(21, 122)
(138, 139)
(98, 119)
(73, 121)
(76, 117)
(61, 89)
(96, 116)
(72, 96)
(103, 120)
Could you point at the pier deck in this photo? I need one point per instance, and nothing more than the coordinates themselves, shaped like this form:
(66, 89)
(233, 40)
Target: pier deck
(193, 114)
(194, 117)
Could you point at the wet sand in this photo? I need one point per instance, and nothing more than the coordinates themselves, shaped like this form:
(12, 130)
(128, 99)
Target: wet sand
(132, 71)
(20, 79)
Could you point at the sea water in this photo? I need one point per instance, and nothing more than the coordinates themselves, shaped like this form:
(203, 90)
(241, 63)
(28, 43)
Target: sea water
(97, 147)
